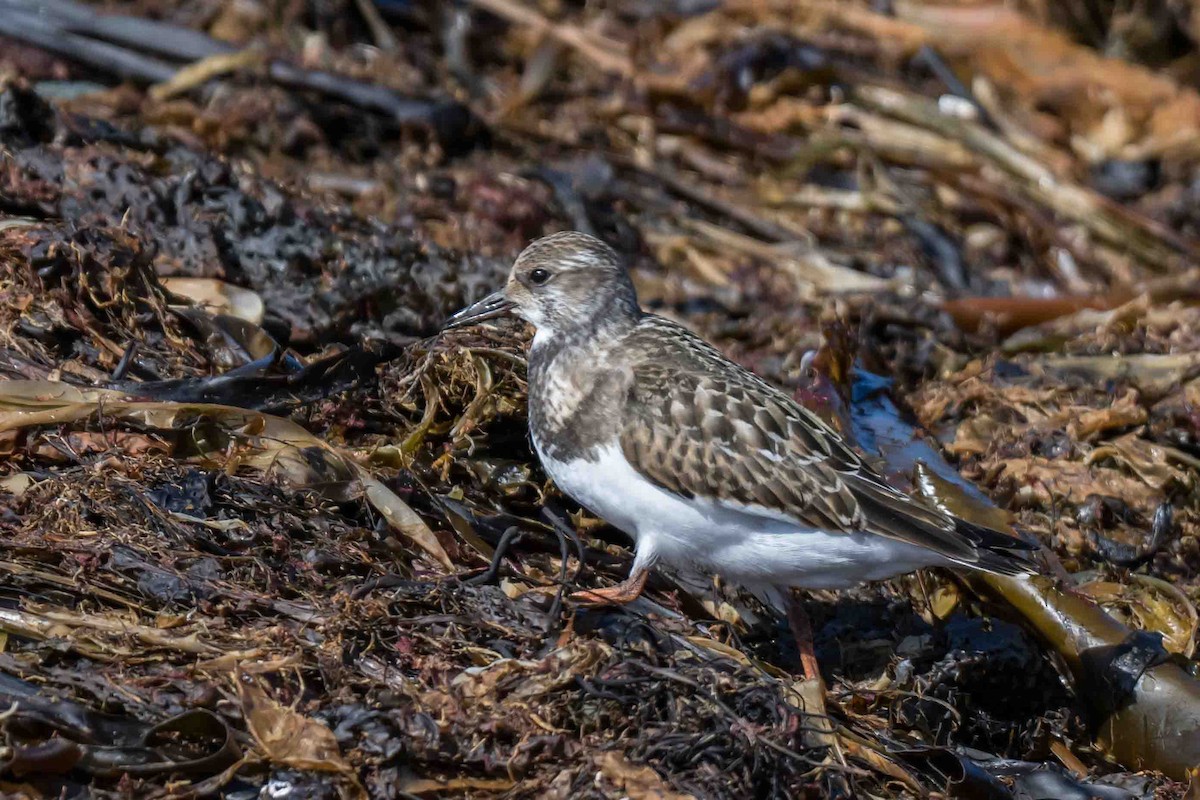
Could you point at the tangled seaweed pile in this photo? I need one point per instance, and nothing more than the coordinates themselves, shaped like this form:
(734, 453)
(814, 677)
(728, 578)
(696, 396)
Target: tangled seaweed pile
(263, 530)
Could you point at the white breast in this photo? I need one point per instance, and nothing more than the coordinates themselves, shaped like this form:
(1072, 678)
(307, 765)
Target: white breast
(752, 546)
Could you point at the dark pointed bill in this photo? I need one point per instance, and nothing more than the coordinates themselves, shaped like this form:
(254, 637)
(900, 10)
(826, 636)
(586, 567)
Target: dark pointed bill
(490, 307)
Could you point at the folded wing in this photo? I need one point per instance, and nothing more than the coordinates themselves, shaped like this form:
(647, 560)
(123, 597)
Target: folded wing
(700, 426)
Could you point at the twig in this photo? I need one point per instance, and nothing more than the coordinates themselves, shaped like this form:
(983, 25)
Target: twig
(1149, 242)
(702, 196)
(809, 266)
(204, 70)
(608, 56)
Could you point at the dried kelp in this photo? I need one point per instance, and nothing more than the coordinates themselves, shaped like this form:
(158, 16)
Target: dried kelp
(261, 531)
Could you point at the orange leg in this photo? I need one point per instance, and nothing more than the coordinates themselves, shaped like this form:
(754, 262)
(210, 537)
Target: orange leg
(802, 630)
(626, 591)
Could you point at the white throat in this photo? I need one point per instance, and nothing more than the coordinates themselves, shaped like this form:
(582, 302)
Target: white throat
(542, 337)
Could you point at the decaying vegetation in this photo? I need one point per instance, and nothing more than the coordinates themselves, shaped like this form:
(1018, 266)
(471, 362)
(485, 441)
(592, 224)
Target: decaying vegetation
(264, 530)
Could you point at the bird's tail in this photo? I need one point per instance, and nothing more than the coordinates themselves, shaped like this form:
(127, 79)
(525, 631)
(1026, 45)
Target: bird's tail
(997, 552)
(976, 546)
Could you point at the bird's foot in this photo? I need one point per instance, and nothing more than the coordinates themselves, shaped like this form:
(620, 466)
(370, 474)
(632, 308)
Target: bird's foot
(626, 591)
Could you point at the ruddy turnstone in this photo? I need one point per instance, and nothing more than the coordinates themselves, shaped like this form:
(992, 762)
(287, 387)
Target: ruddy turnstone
(702, 462)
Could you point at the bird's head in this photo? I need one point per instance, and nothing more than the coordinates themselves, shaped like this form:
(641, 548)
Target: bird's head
(560, 283)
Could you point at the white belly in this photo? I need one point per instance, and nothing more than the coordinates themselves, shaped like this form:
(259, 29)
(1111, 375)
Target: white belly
(752, 546)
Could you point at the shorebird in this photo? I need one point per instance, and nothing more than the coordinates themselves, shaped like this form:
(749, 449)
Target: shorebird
(699, 460)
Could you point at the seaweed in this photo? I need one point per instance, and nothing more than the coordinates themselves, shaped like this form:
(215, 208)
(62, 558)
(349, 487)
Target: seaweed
(265, 529)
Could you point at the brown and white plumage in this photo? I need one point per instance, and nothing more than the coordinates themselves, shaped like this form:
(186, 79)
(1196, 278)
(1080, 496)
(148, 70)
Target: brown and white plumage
(701, 426)
(698, 459)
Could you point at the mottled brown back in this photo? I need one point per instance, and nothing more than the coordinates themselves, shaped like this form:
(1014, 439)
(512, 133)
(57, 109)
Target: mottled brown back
(700, 426)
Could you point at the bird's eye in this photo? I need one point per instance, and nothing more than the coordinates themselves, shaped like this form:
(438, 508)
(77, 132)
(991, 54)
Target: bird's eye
(539, 276)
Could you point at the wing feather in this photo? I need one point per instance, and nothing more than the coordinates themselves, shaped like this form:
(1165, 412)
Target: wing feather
(700, 426)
